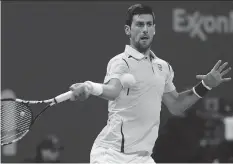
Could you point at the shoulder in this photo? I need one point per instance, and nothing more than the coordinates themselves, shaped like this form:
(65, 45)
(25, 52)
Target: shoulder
(119, 59)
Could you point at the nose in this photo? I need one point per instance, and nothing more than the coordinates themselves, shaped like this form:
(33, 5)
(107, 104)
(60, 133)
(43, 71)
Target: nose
(145, 29)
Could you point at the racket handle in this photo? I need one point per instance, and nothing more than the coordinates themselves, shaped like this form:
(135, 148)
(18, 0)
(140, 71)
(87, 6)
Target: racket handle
(63, 97)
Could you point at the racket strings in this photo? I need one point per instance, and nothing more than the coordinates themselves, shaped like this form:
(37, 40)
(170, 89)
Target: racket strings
(19, 126)
(16, 119)
(13, 119)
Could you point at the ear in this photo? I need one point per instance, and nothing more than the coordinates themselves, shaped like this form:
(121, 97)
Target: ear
(127, 30)
(154, 29)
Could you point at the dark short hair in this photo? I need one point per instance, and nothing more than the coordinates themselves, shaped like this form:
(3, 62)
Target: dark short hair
(138, 9)
(50, 142)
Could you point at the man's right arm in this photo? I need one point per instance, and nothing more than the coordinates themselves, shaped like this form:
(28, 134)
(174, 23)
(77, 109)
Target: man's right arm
(111, 90)
(111, 87)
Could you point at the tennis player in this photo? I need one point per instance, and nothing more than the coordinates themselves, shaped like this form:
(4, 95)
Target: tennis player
(134, 112)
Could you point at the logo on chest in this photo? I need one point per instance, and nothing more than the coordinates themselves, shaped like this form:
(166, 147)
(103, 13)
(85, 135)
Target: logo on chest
(160, 67)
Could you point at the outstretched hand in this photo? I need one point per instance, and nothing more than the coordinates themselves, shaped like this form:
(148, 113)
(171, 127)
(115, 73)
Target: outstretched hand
(215, 76)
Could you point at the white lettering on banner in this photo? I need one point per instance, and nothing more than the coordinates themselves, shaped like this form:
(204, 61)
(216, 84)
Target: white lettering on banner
(199, 25)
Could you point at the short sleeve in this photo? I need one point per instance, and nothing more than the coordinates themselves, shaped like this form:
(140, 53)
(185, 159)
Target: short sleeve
(115, 69)
(169, 85)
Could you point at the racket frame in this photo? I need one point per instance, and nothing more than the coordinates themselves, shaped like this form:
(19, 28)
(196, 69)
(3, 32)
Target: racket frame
(33, 119)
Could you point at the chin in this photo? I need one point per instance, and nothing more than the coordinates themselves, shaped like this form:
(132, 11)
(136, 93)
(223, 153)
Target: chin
(144, 46)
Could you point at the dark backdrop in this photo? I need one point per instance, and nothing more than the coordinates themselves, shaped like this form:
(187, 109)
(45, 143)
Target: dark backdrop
(47, 46)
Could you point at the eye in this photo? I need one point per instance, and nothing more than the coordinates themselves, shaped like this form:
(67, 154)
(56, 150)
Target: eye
(140, 24)
(149, 24)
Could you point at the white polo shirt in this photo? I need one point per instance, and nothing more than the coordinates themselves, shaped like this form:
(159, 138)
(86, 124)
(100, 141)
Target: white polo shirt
(134, 116)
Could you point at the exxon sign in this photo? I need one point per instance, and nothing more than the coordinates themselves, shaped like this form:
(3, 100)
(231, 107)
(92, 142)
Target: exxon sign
(199, 25)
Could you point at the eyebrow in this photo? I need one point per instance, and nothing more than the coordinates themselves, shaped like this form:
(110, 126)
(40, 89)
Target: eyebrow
(143, 22)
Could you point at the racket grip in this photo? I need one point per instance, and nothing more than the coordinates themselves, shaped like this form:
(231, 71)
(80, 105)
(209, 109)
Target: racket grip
(63, 97)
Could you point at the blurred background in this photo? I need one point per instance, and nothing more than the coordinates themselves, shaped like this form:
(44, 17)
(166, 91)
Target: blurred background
(47, 46)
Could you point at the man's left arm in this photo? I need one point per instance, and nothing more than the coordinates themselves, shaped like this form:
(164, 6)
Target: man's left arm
(177, 103)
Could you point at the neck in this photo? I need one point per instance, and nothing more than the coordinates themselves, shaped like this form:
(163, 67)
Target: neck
(145, 52)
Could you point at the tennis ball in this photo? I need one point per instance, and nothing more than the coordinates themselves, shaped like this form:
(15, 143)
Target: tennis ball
(22, 113)
(127, 80)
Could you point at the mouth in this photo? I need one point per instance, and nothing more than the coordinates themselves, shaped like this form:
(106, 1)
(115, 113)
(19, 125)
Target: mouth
(144, 38)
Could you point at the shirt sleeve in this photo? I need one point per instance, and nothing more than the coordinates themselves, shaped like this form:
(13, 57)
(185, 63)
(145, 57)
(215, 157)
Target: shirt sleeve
(169, 85)
(115, 69)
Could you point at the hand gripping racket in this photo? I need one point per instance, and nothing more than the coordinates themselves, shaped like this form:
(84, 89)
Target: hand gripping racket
(17, 116)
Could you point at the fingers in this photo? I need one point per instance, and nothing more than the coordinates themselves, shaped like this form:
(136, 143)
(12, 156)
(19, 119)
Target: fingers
(74, 86)
(80, 92)
(200, 77)
(83, 95)
(222, 67)
(86, 89)
(217, 65)
(73, 97)
(88, 86)
(226, 71)
(226, 79)
(86, 92)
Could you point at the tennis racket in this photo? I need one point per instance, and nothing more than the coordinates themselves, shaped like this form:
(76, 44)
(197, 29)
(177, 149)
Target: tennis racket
(17, 117)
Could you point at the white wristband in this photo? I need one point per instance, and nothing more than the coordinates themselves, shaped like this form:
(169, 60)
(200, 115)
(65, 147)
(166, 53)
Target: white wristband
(95, 89)
(205, 85)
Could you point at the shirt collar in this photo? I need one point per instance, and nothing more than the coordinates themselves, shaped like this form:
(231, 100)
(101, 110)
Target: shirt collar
(134, 53)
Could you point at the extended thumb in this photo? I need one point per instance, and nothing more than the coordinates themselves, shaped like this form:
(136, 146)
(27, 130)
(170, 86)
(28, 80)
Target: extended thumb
(201, 77)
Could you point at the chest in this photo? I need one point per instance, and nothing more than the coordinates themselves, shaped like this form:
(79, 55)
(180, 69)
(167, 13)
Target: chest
(148, 76)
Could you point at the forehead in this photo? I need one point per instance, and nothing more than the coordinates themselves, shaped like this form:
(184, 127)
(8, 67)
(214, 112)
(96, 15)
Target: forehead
(143, 18)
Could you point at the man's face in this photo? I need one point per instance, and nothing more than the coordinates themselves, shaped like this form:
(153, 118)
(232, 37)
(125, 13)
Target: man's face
(142, 31)
(50, 155)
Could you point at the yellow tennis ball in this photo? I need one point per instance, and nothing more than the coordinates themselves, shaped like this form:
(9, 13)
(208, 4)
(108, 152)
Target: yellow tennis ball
(128, 80)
